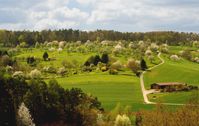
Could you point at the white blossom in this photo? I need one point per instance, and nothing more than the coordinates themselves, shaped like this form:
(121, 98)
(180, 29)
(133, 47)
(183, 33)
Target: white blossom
(18, 74)
(24, 116)
(35, 74)
(148, 52)
(122, 120)
(174, 57)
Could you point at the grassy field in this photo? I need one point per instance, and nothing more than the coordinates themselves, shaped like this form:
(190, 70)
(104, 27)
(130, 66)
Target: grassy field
(110, 89)
(176, 97)
(172, 71)
(125, 87)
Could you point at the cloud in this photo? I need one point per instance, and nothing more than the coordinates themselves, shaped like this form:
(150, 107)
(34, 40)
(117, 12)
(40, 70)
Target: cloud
(38, 15)
(122, 15)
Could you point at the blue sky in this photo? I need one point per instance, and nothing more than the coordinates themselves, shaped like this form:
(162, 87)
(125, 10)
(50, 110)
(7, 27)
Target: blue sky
(120, 15)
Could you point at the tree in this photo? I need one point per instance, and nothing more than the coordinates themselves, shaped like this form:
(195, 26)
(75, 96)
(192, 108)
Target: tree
(143, 65)
(105, 58)
(24, 116)
(96, 60)
(31, 61)
(45, 56)
(134, 66)
(35, 74)
(7, 109)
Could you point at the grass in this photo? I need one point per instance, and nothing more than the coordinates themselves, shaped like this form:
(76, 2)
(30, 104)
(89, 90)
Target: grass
(125, 87)
(110, 89)
(59, 57)
(176, 97)
(172, 71)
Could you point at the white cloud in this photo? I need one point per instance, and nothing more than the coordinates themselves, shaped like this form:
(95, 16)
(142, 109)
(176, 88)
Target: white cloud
(124, 15)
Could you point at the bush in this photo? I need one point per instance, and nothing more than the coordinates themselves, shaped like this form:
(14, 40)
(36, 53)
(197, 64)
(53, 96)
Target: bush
(31, 61)
(61, 71)
(6, 60)
(18, 74)
(113, 72)
(174, 58)
(35, 74)
(148, 53)
(122, 120)
(49, 69)
(116, 65)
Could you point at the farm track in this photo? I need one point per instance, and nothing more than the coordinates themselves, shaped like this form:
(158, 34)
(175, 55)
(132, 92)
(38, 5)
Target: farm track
(146, 92)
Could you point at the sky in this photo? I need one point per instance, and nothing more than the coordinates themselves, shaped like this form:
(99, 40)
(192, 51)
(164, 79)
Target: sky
(89, 15)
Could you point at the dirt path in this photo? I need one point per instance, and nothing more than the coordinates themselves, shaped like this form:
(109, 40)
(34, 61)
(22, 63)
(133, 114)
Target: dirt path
(146, 92)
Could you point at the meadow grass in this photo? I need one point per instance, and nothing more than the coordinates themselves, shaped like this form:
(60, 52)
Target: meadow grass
(110, 89)
(173, 71)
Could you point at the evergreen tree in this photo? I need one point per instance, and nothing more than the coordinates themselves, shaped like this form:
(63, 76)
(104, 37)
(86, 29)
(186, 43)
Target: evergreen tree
(96, 60)
(105, 58)
(143, 65)
(45, 56)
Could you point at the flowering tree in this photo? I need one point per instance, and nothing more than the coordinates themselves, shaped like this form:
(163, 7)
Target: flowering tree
(24, 116)
(174, 57)
(34, 74)
(122, 120)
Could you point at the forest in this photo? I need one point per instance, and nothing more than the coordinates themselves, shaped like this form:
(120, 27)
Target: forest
(13, 38)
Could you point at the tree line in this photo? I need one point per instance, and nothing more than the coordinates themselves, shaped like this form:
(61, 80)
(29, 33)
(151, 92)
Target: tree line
(13, 38)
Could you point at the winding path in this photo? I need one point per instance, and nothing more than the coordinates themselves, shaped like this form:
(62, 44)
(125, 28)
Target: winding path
(146, 92)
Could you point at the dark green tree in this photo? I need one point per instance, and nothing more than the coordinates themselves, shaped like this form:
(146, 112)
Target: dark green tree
(96, 60)
(105, 58)
(45, 56)
(143, 65)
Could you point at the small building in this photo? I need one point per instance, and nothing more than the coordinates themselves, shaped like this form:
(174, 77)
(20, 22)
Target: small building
(167, 85)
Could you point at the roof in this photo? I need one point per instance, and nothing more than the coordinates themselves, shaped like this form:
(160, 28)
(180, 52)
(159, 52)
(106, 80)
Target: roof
(169, 83)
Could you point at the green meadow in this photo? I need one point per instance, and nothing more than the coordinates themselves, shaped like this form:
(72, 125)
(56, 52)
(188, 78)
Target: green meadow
(173, 71)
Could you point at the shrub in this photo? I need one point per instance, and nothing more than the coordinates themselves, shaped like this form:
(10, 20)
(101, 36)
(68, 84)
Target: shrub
(122, 120)
(18, 74)
(187, 54)
(113, 72)
(196, 59)
(49, 69)
(67, 64)
(35, 74)
(104, 68)
(31, 61)
(60, 50)
(151, 58)
(61, 71)
(52, 49)
(37, 45)
(174, 58)
(116, 65)
(148, 53)
(6, 60)
(62, 44)
(154, 47)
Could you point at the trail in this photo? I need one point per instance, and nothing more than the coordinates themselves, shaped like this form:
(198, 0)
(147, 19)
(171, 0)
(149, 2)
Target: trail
(146, 92)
